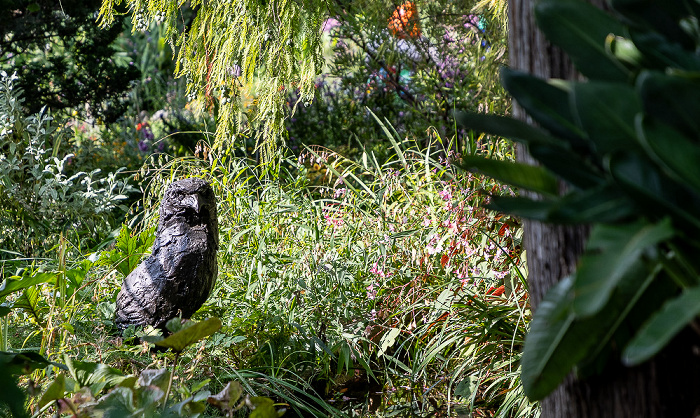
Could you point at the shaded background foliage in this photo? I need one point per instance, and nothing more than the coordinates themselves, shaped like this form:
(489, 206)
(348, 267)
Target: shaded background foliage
(63, 60)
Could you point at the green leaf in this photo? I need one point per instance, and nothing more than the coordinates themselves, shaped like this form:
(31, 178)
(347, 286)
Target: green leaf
(547, 103)
(581, 29)
(663, 326)
(606, 112)
(12, 398)
(190, 334)
(673, 99)
(530, 177)
(567, 164)
(659, 53)
(262, 407)
(653, 193)
(611, 252)
(672, 150)
(543, 366)
(504, 126)
(600, 204)
(227, 399)
(96, 376)
(15, 283)
(29, 301)
(660, 16)
(558, 340)
(55, 391)
(25, 362)
(129, 249)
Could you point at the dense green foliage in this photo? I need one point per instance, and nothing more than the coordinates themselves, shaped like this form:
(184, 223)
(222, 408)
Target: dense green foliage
(415, 82)
(63, 60)
(44, 193)
(625, 143)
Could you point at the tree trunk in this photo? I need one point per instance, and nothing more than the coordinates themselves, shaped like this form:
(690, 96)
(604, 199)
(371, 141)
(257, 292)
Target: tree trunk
(669, 385)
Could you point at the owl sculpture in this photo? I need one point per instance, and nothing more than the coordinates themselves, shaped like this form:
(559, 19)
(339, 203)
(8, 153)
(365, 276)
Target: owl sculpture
(178, 276)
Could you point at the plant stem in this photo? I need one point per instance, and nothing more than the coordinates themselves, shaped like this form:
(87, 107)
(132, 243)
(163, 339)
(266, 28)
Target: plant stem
(170, 382)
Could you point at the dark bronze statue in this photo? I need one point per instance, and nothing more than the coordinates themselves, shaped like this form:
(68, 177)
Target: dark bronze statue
(178, 276)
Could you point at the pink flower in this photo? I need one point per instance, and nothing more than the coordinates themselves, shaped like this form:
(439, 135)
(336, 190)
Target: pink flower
(446, 195)
(329, 25)
(371, 291)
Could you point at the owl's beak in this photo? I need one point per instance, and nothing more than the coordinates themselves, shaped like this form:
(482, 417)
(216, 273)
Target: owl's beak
(195, 202)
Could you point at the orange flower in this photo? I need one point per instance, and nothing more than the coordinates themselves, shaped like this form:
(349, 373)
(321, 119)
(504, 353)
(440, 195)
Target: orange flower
(404, 21)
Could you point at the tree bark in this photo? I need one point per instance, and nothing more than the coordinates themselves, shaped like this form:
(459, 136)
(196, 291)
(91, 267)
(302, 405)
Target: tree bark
(667, 386)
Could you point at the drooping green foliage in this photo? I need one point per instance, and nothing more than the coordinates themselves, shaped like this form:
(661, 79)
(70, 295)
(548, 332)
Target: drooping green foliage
(244, 47)
(625, 143)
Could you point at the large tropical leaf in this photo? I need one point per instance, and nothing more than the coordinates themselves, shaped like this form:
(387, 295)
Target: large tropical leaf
(670, 320)
(15, 283)
(680, 160)
(581, 29)
(654, 193)
(660, 16)
(600, 204)
(558, 340)
(673, 99)
(567, 164)
(546, 103)
(503, 126)
(612, 251)
(659, 54)
(606, 112)
(534, 178)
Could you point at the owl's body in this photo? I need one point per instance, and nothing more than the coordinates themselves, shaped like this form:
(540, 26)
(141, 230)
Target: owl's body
(178, 276)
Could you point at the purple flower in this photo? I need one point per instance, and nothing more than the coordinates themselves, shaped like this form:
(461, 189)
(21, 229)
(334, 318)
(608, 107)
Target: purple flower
(329, 25)
(143, 146)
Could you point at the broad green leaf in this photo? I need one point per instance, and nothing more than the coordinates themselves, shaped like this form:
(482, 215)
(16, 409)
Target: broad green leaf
(581, 29)
(600, 204)
(262, 407)
(662, 327)
(534, 178)
(558, 340)
(154, 377)
(96, 376)
(29, 301)
(504, 126)
(543, 366)
(567, 164)
(673, 99)
(660, 16)
(388, 340)
(654, 194)
(227, 399)
(25, 362)
(12, 398)
(548, 104)
(612, 250)
(179, 340)
(55, 391)
(606, 112)
(15, 283)
(659, 53)
(672, 150)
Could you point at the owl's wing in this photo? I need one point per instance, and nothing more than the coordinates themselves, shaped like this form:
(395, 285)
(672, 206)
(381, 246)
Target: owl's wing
(139, 296)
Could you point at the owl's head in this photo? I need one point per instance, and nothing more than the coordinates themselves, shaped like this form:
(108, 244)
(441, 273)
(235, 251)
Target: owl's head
(192, 201)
